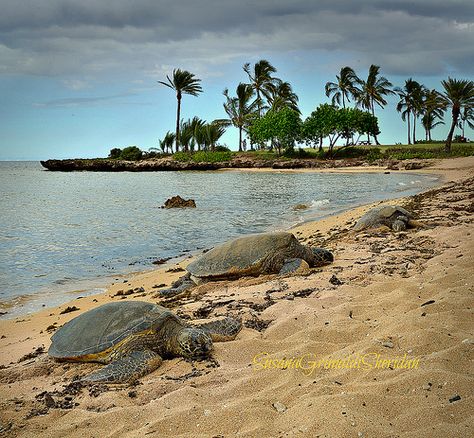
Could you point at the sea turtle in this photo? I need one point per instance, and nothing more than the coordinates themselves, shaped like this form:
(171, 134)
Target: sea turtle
(133, 337)
(252, 255)
(392, 216)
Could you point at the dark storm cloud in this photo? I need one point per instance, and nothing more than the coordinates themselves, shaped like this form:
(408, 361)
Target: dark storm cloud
(57, 37)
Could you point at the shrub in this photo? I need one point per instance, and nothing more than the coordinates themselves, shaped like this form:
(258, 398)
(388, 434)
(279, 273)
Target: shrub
(115, 153)
(221, 148)
(131, 153)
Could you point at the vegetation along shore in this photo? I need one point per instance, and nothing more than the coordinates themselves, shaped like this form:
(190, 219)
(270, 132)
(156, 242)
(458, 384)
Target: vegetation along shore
(272, 130)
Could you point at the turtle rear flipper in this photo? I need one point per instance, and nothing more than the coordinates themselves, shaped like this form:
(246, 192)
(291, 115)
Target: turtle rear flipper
(127, 368)
(294, 266)
(220, 330)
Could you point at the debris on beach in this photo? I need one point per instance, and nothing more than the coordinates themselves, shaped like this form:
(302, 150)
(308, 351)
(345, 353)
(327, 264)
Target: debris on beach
(69, 309)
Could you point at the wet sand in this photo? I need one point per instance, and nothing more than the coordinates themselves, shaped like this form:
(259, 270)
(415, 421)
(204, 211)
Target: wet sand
(403, 298)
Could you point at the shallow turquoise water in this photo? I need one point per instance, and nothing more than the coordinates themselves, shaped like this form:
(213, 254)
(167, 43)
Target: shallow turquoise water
(65, 234)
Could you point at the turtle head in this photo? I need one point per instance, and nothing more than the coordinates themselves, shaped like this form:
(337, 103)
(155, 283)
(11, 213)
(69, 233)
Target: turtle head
(321, 257)
(194, 343)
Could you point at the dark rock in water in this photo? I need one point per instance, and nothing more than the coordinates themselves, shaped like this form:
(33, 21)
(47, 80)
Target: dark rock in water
(179, 202)
(300, 207)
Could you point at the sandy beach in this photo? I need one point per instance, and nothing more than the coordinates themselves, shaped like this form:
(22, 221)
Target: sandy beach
(377, 344)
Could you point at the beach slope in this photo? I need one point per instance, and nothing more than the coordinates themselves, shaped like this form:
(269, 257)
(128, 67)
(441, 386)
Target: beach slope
(378, 344)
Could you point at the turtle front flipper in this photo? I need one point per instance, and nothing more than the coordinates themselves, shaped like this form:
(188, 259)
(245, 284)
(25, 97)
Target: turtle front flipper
(220, 330)
(127, 368)
(180, 285)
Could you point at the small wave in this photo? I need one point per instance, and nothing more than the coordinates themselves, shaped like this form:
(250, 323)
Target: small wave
(319, 202)
(402, 184)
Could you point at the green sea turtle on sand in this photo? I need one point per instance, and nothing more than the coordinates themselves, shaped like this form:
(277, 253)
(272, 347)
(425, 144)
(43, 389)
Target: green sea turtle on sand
(253, 255)
(133, 337)
(392, 216)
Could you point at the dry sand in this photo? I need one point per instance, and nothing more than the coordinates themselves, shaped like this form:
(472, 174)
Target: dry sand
(391, 294)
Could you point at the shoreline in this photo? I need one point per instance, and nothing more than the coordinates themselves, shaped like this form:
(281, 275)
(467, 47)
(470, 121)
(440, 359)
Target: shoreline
(394, 294)
(102, 284)
(142, 277)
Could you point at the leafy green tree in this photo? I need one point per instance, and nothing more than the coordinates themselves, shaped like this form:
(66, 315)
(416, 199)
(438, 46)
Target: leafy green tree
(334, 123)
(373, 90)
(261, 80)
(320, 124)
(281, 127)
(183, 82)
(131, 153)
(459, 94)
(344, 87)
(240, 109)
(115, 153)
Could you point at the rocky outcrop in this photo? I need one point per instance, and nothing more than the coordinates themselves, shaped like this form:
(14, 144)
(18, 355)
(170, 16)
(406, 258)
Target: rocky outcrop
(168, 164)
(179, 202)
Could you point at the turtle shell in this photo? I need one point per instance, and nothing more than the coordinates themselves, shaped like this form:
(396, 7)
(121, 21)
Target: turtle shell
(103, 327)
(243, 256)
(381, 215)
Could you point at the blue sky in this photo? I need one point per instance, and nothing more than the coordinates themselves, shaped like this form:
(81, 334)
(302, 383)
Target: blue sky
(79, 78)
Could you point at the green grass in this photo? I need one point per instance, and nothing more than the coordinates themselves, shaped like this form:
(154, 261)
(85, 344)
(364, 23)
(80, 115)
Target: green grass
(369, 153)
(203, 156)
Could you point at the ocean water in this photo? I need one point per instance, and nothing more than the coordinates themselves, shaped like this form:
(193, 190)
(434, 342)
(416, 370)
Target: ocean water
(64, 235)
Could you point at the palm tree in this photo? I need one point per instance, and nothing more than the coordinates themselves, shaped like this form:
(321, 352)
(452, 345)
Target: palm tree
(167, 142)
(433, 108)
(372, 91)
(467, 116)
(411, 103)
(240, 109)
(429, 121)
(195, 125)
(183, 82)
(459, 93)
(212, 132)
(282, 96)
(344, 87)
(186, 137)
(261, 80)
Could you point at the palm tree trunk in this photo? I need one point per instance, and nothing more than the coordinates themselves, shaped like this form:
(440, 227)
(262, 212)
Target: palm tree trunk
(414, 127)
(240, 138)
(373, 113)
(409, 129)
(343, 101)
(447, 146)
(178, 116)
